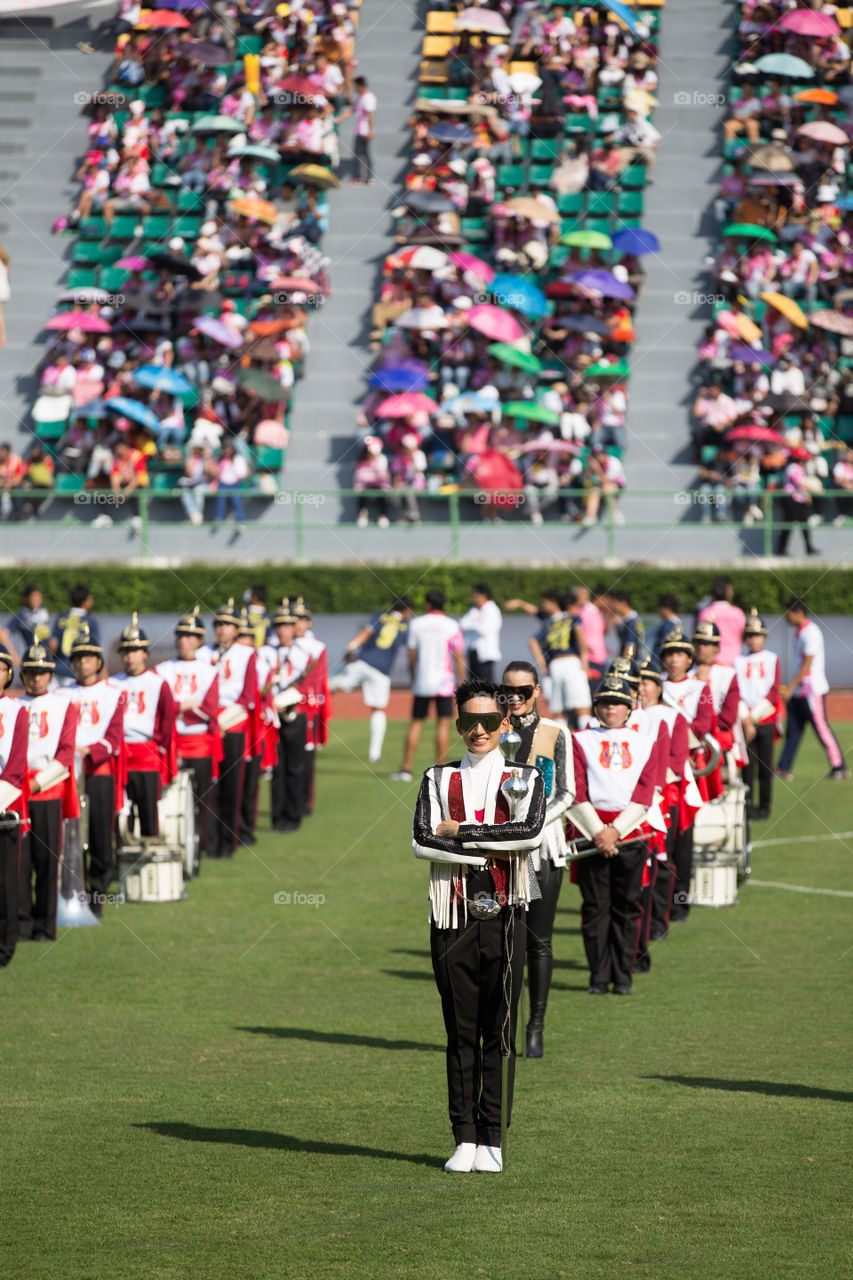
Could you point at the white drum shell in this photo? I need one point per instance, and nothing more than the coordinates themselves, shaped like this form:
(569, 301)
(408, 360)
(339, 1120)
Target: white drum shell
(720, 828)
(176, 819)
(151, 873)
(714, 882)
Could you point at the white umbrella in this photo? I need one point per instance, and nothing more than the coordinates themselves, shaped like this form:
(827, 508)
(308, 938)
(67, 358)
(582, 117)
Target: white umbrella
(524, 82)
(422, 318)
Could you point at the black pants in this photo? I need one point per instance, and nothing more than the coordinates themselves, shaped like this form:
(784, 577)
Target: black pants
(759, 767)
(480, 670)
(663, 883)
(249, 800)
(201, 769)
(225, 819)
(40, 852)
(468, 964)
(363, 166)
(308, 782)
(682, 856)
(610, 915)
(100, 788)
(288, 779)
(143, 791)
(540, 928)
(795, 513)
(10, 853)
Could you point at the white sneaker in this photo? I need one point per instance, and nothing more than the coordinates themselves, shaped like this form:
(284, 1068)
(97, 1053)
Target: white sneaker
(361, 522)
(383, 522)
(462, 1160)
(373, 759)
(618, 517)
(588, 522)
(838, 522)
(402, 775)
(536, 517)
(488, 1160)
(196, 517)
(814, 520)
(756, 512)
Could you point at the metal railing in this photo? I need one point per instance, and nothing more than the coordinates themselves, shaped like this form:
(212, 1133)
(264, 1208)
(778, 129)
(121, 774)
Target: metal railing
(453, 509)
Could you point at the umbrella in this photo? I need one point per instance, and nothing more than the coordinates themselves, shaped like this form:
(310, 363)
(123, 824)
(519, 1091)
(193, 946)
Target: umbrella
(742, 327)
(495, 323)
(750, 355)
(524, 82)
(176, 264)
(755, 434)
(531, 411)
(616, 369)
(587, 239)
(825, 97)
(159, 377)
(750, 231)
(532, 209)
(786, 307)
(624, 14)
(551, 446)
(518, 294)
(805, 22)
(823, 131)
(403, 406)
(584, 324)
(218, 332)
(832, 322)
(85, 321)
(315, 175)
(636, 242)
(93, 409)
(291, 284)
(470, 402)
(770, 179)
(84, 294)
(164, 19)
(784, 65)
(772, 156)
(301, 86)
(218, 124)
(421, 257)
(262, 385)
(134, 262)
(254, 151)
(513, 356)
(477, 267)
(134, 410)
(422, 318)
(183, 4)
(487, 20)
(212, 55)
(397, 379)
(428, 202)
(257, 210)
(454, 134)
(605, 283)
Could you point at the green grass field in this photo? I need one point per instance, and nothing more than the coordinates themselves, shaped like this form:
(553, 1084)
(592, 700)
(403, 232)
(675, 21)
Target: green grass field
(228, 1087)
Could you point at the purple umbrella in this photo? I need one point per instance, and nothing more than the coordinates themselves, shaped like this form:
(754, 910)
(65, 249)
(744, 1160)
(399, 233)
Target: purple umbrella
(392, 378)
(605, 283)
(181, 5)
(750, 355)
(133, 263)
(212, 55)
(219, 332)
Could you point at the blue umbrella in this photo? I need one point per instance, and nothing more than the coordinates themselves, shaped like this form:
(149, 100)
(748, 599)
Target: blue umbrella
(635, 241)
(584, 324)
(470, 402)
(605, 283)
(94, 409)
(512, 291)
(446, 132)
(622, 12)
(784, 64)
(134, 410)
(398, 379)
(750, 355)
(158, 377)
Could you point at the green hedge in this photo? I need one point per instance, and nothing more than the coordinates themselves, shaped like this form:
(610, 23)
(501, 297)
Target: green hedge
(362, 588)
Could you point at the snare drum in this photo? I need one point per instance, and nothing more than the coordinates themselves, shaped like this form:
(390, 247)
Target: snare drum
(722, 827)
(151, 873)
(176, 818)
(714, 882)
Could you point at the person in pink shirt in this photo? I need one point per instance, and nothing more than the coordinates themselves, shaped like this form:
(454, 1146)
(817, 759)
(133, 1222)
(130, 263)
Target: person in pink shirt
(594, 626)
(729, 618)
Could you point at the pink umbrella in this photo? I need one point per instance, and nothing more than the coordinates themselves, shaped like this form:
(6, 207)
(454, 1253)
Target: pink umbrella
(487, 20)
(477, 267)
(805, 22)
(219, 332)
(420, 257)
(495, 323)
(404, 405)
(286, 283)
(823, 131)
(85, 321)
(133, 263)
(756, 435)
(552, 446)
(271, 433)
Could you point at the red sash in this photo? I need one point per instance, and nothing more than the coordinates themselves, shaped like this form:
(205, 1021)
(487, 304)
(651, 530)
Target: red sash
(65, 791)
(456, 809)
(143, 757)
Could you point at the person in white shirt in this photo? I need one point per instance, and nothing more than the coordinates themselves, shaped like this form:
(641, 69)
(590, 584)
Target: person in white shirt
(437, 665)
(805, 694)
(364, 110)
(481, 628)
(638, 139)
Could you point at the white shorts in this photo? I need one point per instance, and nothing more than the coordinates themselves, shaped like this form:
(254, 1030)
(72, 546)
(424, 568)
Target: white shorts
(569, 685)
(375, 685)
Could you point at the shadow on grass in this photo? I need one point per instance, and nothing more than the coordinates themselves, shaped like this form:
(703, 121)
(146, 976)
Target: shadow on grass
(416, 975)
(770, 1087)
(341, 1037)
(270, 1141)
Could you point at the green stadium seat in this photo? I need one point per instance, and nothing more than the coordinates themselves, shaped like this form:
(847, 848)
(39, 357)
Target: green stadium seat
(630, 202)
(67, 482)
(547, 149)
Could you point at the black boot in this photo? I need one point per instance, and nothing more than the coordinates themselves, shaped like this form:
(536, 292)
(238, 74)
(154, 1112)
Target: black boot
(540, 966)
(534, 1040)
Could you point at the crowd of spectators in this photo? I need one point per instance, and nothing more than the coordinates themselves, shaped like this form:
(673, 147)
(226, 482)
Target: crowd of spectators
(182, 331)
(773, 418)
(505, 318)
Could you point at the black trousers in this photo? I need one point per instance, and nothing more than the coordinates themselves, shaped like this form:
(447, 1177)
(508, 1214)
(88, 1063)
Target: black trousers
(795, 513)
(40, 852)
(759, 767)
(143, 790)
(308, 782)
(288, 779)
(682, 857)
(468, 963)
(201, 768)
(363, 164)
(481, 670)
(225, 819)
(100, 788)
(610, 915)
(249, 799)
(663, 884)
(10, 853)
(540, 928)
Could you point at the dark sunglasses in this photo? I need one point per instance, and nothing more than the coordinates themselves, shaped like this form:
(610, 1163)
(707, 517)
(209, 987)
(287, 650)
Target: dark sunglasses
(521, 691)
(491, 721)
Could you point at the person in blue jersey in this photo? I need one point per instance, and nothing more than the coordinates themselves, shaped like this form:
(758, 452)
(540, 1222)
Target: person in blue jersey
(560, 649)
(370, 657)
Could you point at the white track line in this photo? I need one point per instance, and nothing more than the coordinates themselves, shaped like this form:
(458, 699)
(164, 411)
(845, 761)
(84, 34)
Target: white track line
(799, 888)
(830, 835)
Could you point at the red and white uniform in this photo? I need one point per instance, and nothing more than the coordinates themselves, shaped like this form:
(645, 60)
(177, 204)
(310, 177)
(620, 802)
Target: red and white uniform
(678, 786)
(267, 658)
(14, 741)
(616, 771)
(693, 698)
(196, 729)
(759, 681)
(149, 724)
(100, 727)
(315, 687)
(52, 732)
(725, 697)
(237, 668)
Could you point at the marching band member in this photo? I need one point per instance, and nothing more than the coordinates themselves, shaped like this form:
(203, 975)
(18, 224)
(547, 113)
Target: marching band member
(318, 698)
(370, 657)
(237, 667)
(100, 758)
(547, 745)
(52, 793)
(465, 826)
(194, 684)
(693, 699)
(149, 727)
(615, 775)
(288, 780)
(14, 740)
(725, 696)
(759, 683)
(560, 649)
(247, 636)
